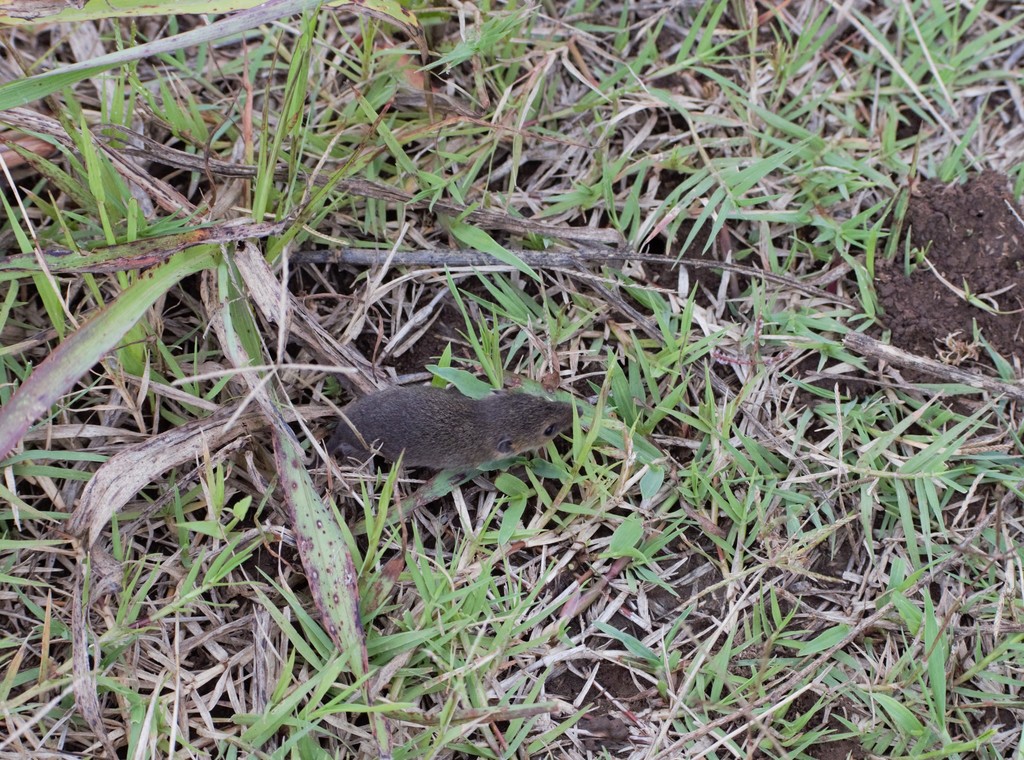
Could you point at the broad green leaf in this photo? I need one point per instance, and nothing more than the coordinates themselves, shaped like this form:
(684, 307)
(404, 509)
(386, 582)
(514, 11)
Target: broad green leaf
(481, 241)
(87, 345)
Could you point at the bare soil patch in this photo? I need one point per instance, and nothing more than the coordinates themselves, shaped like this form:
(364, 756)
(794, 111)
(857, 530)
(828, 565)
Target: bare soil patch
(973, 237)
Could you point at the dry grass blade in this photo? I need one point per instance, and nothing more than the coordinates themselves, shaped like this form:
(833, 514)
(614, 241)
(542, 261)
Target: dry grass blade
(122, 476)
(169, 199)
(86, 696)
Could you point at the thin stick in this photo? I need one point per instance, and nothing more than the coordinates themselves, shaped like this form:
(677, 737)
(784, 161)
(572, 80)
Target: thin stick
(551, 259)
(862, 344)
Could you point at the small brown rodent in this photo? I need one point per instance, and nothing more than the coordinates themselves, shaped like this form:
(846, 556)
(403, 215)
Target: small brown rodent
(442, 429)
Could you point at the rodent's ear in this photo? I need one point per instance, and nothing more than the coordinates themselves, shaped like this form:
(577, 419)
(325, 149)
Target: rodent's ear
(505, 446)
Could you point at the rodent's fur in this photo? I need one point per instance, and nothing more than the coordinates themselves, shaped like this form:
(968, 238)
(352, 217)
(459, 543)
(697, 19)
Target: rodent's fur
(442, 429)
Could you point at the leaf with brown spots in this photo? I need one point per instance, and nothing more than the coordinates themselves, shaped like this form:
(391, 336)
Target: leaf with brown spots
(328, 563)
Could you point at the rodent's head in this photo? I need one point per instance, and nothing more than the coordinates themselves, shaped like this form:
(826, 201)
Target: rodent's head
(518, 422)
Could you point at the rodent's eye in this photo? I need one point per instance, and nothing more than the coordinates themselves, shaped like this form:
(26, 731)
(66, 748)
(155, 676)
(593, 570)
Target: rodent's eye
(505, 446)
(551, 430)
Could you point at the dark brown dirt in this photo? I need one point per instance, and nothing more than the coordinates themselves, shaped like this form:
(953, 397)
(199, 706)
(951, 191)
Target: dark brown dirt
(975, 243)
(606, 728)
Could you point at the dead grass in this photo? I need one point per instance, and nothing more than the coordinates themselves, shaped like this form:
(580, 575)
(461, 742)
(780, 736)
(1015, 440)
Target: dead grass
(755, 544)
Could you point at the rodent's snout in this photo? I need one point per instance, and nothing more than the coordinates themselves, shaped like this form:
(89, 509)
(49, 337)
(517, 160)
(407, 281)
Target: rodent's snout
(529, 423)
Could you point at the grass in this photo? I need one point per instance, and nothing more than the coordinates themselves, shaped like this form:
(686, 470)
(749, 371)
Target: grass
(753, 544)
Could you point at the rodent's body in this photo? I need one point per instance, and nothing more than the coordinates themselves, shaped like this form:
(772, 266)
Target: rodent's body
(442, 429)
